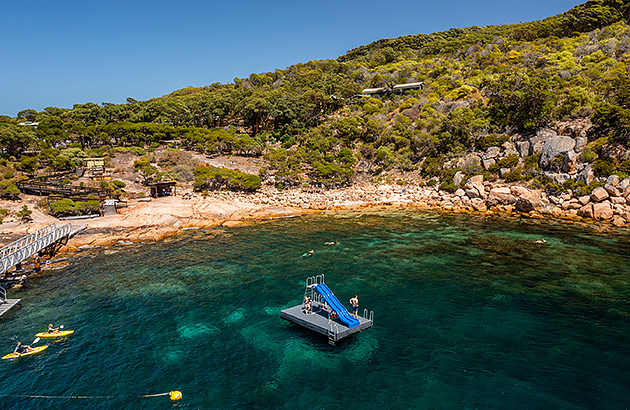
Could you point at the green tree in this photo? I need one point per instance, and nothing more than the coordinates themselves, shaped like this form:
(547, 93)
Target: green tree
(520, 100)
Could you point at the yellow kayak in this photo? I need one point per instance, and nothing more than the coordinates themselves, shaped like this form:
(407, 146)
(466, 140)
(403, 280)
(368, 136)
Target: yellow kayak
(60, 334)
(35, 350)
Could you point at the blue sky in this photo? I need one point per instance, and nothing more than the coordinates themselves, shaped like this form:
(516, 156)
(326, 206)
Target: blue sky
(69, 52)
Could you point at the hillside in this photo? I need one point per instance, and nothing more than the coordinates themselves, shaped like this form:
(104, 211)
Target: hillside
(493, 98)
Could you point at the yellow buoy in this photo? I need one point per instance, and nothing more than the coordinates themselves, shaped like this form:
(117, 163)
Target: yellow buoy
(176, 395)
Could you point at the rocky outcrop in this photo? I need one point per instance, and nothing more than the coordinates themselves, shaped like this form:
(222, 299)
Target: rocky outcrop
(580, 144)
(501, 195)
(586, 211)
(555, 146)
(538, 141)
(602, 211)
(492, 152)
(570, 163)
(474, 187)
(523, 148)
(469, 162)
(599, 194)
(586, 175)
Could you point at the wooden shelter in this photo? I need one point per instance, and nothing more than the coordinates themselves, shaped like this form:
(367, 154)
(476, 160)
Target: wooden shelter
(162, 189)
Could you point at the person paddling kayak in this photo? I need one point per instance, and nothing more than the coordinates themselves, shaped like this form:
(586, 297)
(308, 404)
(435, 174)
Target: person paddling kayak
(21, 349)
(52, 330)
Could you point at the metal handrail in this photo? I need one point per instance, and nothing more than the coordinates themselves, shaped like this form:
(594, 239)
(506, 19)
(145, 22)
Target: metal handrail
(18, 251)
(14, 246)
(3, 295)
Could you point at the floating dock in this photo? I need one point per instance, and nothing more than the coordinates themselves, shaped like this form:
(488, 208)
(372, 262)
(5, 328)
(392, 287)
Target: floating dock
(337, 327)
(7, 304)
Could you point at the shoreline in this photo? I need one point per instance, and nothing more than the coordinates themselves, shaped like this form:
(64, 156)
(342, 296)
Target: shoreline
(155, 219)
(151, 220)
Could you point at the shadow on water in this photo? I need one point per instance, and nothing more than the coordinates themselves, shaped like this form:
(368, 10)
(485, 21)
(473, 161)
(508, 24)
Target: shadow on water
(469, 313)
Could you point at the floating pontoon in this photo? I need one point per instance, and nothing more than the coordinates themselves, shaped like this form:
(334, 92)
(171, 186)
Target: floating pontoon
(328, 315)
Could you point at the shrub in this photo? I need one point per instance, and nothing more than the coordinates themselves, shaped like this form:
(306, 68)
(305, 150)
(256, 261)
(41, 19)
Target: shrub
(532, 161)
(68, 207)
(448, 186)
(513, 176)
(573, 185)
(24, 212)
(137, 151)
(172, 158)
(330, 174)
(8, 190)
(508, 162)
(27, 164)
(149, 172)
(431, 167)
(213, 178)
(492, 140)
(117, 183)
(3, 213)
(624, 168)
(603, 168)
(588, 155)
(408, 103)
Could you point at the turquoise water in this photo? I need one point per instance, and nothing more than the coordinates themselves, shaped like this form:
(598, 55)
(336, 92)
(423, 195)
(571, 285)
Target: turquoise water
(469, 314)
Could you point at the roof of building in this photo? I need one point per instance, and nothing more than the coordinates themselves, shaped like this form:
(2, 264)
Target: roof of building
(408, 85)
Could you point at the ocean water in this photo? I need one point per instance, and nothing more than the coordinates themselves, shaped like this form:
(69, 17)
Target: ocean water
(469, 314)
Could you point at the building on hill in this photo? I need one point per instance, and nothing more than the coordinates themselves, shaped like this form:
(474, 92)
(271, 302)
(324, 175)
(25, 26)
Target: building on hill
(29, 124)
(376, 91)
(401, 88)
(398, 88)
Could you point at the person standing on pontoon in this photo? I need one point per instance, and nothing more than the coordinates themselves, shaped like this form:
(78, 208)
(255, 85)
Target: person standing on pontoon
(354, 301)
(307, 305)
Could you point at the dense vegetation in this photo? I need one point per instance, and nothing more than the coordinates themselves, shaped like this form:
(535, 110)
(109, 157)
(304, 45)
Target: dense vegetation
(66, 207)
(483, 85)
(214, 178)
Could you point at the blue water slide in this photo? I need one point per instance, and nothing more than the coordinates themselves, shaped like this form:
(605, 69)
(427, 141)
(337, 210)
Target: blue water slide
(335, 304)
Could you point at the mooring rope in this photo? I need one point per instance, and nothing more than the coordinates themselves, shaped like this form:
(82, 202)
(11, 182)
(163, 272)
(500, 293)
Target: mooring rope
(175, 395)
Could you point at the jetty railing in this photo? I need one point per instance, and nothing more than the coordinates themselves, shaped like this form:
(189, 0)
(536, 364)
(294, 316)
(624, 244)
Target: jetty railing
(369, 316)
(3, 295)
(311, 282)
(16, 252)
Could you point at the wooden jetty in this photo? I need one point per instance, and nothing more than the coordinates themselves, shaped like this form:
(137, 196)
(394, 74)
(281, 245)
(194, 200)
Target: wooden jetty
(320, 320)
